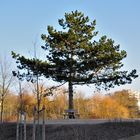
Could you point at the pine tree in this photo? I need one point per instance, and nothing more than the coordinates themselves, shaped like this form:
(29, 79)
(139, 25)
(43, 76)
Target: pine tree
(74, 56)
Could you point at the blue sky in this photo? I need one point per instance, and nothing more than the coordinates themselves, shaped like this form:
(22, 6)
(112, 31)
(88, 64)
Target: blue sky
(23, 21)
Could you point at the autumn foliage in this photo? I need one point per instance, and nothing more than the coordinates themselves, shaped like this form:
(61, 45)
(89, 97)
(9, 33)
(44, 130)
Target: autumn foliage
(111, 106)
(106, 107)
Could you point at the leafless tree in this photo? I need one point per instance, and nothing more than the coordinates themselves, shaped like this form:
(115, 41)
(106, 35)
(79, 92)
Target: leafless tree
(6, 79)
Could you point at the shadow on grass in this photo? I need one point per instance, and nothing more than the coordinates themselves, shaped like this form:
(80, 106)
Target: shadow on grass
(105, 131)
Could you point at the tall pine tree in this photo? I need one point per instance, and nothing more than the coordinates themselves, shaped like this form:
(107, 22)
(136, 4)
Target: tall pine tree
(73, 56)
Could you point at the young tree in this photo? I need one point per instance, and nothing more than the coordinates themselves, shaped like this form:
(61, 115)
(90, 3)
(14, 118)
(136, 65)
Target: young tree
(39, 91)
(28, 102)
(6, 79)
(74, 56)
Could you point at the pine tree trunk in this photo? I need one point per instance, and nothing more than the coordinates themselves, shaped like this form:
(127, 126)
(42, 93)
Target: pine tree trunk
(71, 105)
(70, 96)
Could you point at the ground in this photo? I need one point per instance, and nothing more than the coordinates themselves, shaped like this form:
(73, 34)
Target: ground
(99, 131)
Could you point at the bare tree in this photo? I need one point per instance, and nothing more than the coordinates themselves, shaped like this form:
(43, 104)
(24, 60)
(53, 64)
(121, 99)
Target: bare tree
(6, 80)
(39, 90)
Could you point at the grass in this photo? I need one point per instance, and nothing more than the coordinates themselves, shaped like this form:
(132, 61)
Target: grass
(106, 131)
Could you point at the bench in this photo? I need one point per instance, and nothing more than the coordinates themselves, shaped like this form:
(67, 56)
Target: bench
(71, 114)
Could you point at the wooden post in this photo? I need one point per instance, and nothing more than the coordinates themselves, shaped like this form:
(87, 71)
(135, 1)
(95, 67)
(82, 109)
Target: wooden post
(17, 129)
(43, 122)
(20, 125)
(24, 125)
(21, 110)
(34, 125)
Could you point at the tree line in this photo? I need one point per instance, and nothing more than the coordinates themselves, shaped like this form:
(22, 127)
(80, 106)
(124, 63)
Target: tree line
(120, 104)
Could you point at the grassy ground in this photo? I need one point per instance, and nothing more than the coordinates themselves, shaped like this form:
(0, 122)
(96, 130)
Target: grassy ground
(106, 131)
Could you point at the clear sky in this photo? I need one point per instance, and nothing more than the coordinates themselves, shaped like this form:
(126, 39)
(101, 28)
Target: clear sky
(23, 21)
